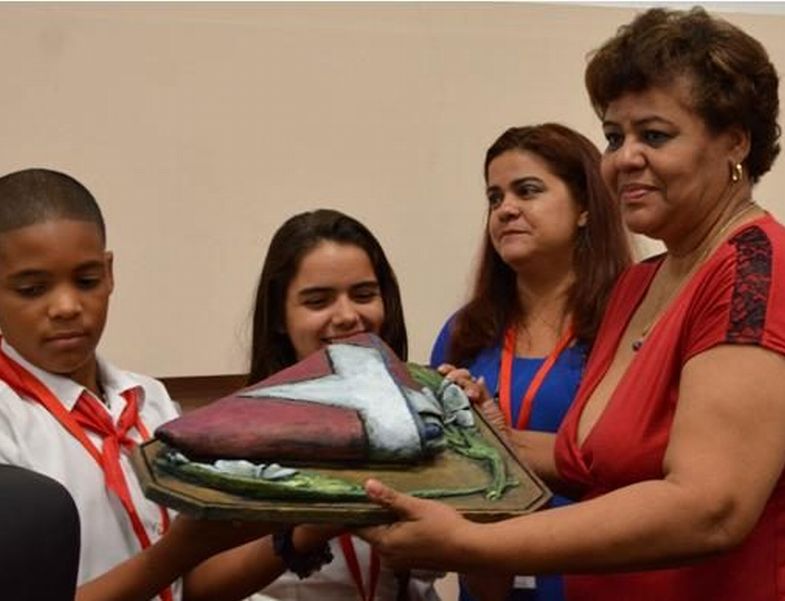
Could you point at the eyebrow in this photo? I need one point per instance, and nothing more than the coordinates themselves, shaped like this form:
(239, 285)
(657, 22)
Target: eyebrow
(32, 273)
(520, 180)
(366, 284)
(326, 289)
(640, 122)
(314, 290)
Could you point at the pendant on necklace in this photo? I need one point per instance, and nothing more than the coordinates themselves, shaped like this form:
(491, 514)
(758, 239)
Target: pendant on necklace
(637, 344)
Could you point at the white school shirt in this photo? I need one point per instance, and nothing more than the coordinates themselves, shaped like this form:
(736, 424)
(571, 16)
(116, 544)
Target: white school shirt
(31, 437)
(334, 581)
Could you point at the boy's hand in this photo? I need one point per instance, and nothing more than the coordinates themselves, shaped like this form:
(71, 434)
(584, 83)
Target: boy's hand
(183, 550)
(208, 537)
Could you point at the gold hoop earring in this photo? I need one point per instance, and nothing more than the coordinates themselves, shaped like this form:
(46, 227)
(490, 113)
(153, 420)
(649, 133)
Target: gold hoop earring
(737, 173)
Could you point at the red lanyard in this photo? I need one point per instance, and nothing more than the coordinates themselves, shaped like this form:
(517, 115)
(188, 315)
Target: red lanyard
(92, 415)
(505, 376)
(347, 546)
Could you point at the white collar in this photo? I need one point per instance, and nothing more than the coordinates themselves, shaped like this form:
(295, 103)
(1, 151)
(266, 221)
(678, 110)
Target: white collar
(66, 390)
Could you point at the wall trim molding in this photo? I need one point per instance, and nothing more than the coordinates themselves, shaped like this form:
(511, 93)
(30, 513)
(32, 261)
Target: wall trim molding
(194, 391)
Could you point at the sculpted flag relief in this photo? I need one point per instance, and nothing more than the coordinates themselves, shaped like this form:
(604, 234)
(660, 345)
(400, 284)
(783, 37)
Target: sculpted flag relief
(353, 402)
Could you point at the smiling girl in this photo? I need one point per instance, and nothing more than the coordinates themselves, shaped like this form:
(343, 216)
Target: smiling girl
(326, 277)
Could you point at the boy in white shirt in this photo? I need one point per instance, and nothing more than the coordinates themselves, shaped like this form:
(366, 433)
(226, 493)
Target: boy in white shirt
(74, 417)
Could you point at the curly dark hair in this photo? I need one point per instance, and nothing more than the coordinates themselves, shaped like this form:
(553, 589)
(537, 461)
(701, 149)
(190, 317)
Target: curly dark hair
(600, 254)
(733, 81)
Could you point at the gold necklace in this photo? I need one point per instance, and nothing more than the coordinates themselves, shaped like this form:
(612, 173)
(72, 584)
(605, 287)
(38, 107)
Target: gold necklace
(556, 329)
(638, 342)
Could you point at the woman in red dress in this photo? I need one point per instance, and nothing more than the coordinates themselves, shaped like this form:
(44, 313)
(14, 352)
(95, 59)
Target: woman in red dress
(675, 442)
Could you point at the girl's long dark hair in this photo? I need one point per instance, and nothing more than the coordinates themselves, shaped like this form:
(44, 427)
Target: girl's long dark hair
(271, 349)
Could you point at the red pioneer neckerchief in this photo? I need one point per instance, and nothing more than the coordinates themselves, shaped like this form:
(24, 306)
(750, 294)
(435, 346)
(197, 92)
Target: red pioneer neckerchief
(347, 546)
(89, 414)
(505, 376)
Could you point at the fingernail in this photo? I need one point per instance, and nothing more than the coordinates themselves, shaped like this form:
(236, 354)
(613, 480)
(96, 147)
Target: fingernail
(372, 487)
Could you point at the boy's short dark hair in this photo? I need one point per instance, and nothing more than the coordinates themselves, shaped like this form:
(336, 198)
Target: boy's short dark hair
(33, 196)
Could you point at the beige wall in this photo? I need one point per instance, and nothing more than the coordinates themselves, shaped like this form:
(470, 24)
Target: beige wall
(200, 128)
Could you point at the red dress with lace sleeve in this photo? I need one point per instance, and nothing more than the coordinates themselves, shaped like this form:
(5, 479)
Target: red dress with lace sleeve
(737, 297)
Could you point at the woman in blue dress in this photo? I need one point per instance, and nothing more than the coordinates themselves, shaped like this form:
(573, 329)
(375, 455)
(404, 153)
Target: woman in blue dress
(553, 247)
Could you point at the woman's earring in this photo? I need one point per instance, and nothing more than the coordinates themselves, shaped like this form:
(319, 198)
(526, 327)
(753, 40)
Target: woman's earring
(737, 172)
